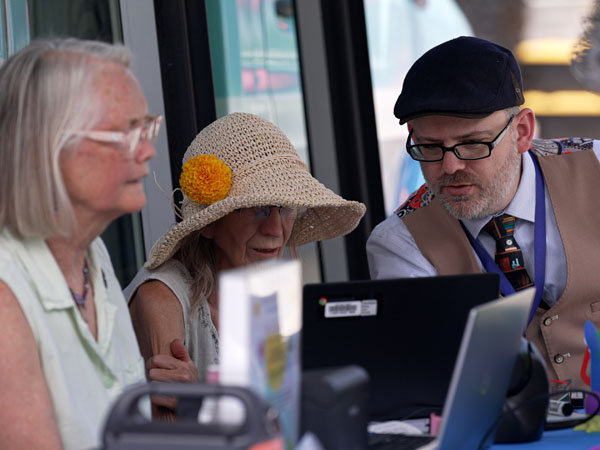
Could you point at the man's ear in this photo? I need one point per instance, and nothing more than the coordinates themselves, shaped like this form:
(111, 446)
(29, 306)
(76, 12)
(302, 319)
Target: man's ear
(208, 231)
(524, 123)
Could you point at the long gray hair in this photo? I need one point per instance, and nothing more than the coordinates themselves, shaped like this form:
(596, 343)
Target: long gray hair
(46, 92)
(198, 255)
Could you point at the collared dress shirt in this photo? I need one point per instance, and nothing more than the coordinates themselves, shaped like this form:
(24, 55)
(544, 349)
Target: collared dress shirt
(84, 375)
(393, 253)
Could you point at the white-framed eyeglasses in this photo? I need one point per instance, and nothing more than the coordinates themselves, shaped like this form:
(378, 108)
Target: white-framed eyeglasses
(129, 140)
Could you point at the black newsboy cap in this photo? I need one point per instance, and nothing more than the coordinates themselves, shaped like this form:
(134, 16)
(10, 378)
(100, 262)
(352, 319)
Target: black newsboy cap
(464, 77)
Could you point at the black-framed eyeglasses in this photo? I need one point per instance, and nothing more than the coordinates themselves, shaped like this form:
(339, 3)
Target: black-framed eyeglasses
(463, 150)
(260, 213)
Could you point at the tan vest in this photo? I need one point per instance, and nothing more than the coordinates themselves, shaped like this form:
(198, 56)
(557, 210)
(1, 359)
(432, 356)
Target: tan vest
(573, 183)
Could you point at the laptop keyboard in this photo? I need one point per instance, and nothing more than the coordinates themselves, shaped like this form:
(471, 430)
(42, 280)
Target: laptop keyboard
(397, 441)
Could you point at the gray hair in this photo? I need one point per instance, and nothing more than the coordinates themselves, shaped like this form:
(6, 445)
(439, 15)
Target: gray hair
(198, 255)
(46, 92)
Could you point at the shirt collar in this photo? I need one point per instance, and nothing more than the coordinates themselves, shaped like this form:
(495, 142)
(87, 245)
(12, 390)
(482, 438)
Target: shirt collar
(519, 206)
(44, 273)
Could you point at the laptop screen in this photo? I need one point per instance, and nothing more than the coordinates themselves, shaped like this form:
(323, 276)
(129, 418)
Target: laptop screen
(483, 369)
(405, 332)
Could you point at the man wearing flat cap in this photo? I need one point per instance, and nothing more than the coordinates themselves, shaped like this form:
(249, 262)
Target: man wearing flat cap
(495, 200)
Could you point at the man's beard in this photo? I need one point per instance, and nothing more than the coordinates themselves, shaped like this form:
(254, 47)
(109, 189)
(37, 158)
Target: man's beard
(492, 198)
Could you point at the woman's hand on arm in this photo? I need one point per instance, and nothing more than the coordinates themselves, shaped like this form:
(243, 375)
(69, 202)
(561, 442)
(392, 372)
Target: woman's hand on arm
(178, 366)
(158, 322)
(27, 417)
(157, 318)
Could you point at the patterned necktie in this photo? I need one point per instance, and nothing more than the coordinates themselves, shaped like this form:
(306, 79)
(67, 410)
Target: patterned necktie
(508, 253)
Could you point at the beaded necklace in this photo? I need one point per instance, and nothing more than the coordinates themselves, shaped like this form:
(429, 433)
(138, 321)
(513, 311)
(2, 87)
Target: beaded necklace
(80, 299)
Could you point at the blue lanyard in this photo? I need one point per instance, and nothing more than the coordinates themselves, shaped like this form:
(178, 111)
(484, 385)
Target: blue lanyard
(539, 245)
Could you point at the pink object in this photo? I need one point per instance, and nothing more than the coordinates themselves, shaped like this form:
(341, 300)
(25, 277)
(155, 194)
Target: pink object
(212, 374)
(591, 403)
(434, 423)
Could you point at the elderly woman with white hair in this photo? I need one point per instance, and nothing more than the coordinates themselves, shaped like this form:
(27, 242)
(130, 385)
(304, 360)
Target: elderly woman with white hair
(247, 197)
(75, 142)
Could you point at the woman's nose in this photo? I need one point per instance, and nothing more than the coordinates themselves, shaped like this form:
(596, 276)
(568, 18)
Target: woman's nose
(273, 224)
(144, 151)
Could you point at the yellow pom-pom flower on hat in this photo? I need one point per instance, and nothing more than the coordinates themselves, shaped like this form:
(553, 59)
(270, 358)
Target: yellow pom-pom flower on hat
(205, 179)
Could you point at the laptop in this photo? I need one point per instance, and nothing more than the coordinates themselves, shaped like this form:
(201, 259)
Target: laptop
(390, 327)
(481, 377)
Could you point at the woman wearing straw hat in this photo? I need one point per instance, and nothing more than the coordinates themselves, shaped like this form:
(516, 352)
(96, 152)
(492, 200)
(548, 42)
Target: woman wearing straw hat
(247, 197)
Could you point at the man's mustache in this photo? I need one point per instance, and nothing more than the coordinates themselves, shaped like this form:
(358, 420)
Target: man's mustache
(458, 178)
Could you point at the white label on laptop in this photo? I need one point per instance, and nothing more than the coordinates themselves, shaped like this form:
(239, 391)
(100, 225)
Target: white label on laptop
(352, 308)
(342, 309)
(369, 308)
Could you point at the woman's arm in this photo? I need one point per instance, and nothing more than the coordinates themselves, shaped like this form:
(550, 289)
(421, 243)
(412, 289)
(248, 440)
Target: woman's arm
(157, 318)
(27, 417)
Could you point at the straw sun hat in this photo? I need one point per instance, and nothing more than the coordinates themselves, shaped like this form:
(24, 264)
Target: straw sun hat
(240, 161)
